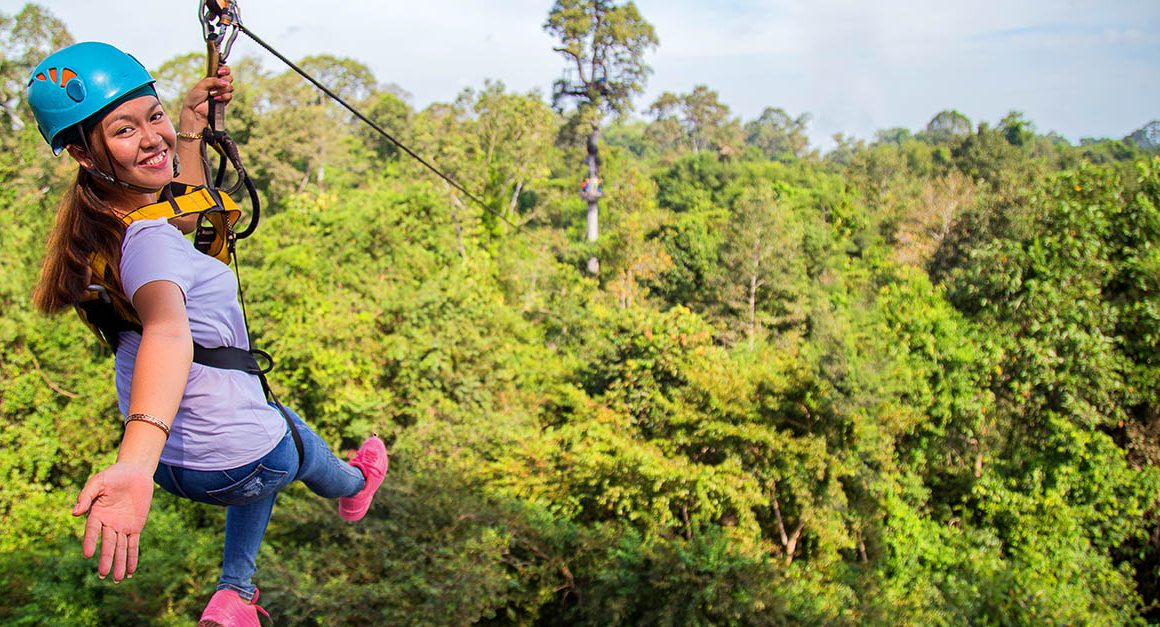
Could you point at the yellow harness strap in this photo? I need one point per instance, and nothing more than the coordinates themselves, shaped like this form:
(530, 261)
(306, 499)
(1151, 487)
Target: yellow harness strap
(196, 200)
(104, 308)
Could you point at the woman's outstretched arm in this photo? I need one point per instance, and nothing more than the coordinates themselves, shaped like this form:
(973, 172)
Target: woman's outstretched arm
(117, 499)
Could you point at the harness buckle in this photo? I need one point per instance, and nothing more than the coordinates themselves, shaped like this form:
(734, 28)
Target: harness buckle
(101, 292)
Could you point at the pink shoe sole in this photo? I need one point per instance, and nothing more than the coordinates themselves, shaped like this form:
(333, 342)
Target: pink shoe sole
(227, 609)
(373, 461)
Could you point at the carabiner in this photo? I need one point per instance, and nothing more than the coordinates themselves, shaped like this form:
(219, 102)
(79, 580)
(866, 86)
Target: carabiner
(219, 25)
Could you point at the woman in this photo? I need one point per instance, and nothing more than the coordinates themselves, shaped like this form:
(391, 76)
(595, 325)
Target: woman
(201, 432)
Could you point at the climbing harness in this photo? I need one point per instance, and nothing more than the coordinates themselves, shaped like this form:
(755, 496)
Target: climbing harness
(105, 309)
(218, 215)
(108, 312)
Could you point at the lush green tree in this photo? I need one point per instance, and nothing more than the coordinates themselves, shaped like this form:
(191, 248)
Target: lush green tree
(763, 260)
(897, 135)
(1101, 151)
(1147, 137)
(1056, 287)
(27, 37)
(947, 126)
(390, 111)
(666, 132)
(1016, 129)
(604, 44)
(298, 138)
(987, 156)
(695, 121)
(845, 148)
(496, 144)
(778, 135)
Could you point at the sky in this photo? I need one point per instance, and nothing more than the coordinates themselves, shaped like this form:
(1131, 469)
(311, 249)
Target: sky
(1081, 68)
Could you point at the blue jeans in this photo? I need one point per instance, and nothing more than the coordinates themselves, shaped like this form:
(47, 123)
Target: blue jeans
(248, 493)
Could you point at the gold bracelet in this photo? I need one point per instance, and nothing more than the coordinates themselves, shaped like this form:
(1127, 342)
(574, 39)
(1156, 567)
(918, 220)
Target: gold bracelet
(189, 136)
(153, 420)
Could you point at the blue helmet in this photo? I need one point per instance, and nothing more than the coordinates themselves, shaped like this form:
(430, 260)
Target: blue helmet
(75, 83)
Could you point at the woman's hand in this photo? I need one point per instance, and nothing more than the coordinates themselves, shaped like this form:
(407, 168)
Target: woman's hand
(116, 501)
(195, 107)
(194, 119)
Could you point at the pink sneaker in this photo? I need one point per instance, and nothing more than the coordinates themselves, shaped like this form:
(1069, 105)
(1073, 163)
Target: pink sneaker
(371, 459)
(227, 609)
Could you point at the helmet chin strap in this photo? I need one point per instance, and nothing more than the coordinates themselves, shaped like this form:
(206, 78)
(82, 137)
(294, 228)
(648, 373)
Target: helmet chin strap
(108, 178)
(112, 178)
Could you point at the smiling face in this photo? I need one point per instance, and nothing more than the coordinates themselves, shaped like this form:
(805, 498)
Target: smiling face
(136, 141)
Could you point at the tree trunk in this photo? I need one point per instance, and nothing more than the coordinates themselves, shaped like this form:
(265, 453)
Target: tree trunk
(321, 165)
(789, 542)
(458, 204)
(515, 201)
(14, 121)
(593, 201)
(752, 309)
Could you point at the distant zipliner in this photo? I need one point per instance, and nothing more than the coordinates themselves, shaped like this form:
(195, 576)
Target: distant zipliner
(591, 188)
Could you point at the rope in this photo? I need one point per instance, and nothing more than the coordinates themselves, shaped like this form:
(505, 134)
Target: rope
(374, 126)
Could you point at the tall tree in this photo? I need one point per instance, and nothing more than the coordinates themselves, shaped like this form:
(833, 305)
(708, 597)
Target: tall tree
(604, 44)
(27, 37)
(1016, 129)
(698, 120)
(778, 135)
(1147, 136)
(489, 140)
(764, 260)
(299, 137)
(947, 126)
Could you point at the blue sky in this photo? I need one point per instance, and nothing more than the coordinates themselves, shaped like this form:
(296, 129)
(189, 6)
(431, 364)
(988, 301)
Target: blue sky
(1083, 68)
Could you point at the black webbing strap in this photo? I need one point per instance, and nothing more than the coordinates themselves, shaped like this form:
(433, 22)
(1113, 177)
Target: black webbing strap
(230, 358)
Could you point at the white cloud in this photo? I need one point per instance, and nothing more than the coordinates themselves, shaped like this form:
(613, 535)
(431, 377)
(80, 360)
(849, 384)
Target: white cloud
(1125, 36)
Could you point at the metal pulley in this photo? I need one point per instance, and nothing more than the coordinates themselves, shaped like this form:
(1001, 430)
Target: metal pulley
(220, 24)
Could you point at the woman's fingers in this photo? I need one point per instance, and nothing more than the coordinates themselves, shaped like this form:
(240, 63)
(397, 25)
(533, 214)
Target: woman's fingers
(131, 558)
(120, 557)
(108, 548)
(88, 494)
(92, 535)
(224, 89)
(116, 501)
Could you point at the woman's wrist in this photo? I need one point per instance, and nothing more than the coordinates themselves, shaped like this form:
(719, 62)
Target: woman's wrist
(191, 130)
(141, 446)
(191, 121)
(148, 419)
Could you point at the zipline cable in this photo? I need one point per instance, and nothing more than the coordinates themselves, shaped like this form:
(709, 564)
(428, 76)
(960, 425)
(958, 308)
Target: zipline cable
(372, 124)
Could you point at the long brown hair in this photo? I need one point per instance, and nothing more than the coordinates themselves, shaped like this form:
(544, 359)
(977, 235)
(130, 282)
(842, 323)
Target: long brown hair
(85, 226)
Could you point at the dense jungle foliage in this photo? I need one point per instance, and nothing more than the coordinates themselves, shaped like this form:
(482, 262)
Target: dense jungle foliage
(911, 380)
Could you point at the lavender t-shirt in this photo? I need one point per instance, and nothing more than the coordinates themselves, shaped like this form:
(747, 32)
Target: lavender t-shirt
(223, 420)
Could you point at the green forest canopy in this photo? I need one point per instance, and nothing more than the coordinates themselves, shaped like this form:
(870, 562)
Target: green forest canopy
(910, 380)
